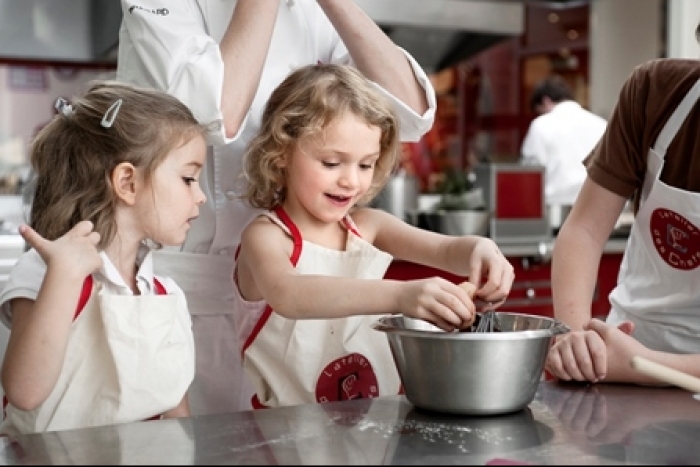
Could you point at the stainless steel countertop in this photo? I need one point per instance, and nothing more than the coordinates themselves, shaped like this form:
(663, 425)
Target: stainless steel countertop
(565, 424)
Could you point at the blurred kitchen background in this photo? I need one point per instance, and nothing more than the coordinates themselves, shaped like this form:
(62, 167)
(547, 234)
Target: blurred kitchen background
(483, 56)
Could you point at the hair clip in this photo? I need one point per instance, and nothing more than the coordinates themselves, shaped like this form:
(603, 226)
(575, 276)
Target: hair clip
(64, 107)
(111, 114)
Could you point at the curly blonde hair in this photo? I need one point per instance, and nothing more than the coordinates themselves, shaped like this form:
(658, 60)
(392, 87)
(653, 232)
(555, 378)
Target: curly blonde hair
(300, 108)
(74, 155)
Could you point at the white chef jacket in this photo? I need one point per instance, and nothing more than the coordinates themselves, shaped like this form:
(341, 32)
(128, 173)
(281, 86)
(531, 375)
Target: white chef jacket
(559, 140)
(186, 62)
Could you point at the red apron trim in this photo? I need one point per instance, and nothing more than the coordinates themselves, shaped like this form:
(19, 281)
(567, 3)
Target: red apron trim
(296, 235)
(87, 290)
(255, 402)
(84, 296)
(350, 227)
(296, 252)
(296, 238)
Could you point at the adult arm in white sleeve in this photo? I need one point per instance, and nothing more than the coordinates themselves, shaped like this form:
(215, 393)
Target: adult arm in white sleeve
(394, 71)
(174, 52)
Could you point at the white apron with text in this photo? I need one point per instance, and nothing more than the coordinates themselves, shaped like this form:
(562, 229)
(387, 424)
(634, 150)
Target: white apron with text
(658, 287)
(320, 360)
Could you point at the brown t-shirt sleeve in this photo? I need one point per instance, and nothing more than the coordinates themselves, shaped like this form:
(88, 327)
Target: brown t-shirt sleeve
(646, 101)
(618, 162)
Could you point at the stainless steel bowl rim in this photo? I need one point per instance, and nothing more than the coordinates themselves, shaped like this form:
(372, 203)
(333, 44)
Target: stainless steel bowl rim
(557, 328)
(465, 336)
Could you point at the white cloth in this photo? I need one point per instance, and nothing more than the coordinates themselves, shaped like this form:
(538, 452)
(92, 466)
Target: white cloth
(559, 140)
(28, 273)
(658, 280)
(129, 358)
(319, 360)
(177, 50)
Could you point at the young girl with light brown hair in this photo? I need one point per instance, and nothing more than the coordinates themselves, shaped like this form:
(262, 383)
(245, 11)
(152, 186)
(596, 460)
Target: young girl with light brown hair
(96, 338)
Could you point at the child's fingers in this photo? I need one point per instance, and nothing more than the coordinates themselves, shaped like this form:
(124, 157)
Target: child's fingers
(31, 236)
(469, 287)
(81, 229)
(94, 238)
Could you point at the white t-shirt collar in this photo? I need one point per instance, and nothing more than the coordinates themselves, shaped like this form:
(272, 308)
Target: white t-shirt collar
(144, 276)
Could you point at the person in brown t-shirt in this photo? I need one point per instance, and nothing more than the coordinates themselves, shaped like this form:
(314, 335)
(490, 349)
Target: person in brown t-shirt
(655, 307)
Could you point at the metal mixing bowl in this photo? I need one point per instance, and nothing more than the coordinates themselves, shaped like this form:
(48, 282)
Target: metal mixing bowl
(466, 222)
(471, 373)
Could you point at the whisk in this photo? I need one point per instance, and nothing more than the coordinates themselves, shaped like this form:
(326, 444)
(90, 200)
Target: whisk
(487, 321)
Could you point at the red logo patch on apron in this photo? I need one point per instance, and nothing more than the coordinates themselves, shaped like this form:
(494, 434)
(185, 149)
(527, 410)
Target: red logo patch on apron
(346, 378)
(676, 239)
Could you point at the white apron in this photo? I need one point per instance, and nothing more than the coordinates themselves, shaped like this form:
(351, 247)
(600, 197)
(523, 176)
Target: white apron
(658, 283)
(220, 384)
(303, 361)
(128, 358)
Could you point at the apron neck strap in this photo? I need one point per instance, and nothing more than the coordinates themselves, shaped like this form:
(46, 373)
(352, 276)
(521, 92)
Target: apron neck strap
(677, 118)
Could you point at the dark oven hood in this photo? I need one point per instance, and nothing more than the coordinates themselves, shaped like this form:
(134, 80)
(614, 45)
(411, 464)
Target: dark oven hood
(440, 33)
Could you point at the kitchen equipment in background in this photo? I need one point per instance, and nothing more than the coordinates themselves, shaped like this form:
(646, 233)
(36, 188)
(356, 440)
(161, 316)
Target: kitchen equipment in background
(514, 196)
(471, 373)
(557, 214)
(399, 196)
(467, 222)
(442, 33)
(623, 226)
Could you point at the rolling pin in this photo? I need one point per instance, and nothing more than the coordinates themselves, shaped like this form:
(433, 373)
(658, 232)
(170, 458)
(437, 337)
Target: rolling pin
(666, 374)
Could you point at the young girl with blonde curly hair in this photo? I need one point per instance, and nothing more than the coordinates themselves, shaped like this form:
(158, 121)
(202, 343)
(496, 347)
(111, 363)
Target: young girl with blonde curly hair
(309, 271)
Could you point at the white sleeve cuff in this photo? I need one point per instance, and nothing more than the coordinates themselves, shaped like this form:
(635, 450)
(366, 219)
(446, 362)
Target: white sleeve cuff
(413, 125)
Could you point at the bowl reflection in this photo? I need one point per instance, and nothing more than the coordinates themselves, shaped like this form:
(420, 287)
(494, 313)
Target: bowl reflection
(426, 432)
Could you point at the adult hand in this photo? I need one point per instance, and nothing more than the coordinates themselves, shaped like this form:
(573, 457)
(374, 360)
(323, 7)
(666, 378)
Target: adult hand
(74, 251)
(437, 301)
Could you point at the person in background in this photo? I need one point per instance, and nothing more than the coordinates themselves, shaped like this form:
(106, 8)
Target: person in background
(559, 138)
(308, 275)
(649, 154)
(223, 59)
(96, 337)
